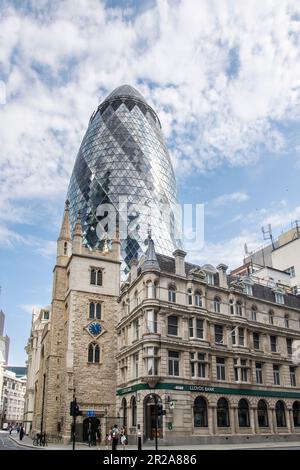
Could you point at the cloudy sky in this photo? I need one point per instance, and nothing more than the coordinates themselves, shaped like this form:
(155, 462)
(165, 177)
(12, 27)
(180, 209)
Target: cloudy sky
(224, 78)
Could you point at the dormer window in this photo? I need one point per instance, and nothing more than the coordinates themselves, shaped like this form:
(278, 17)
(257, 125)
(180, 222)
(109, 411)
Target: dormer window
(46, 315)
(248, 289)
(65, 248)
(279, 298)
(96, 277)
(210, 279)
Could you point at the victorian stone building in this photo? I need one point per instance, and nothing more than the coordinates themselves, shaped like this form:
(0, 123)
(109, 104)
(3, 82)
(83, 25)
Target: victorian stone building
(77, 345)
(39, 326)
(214, 350)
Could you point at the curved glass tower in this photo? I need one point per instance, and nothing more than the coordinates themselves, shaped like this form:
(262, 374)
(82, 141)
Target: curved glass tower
(123, 167)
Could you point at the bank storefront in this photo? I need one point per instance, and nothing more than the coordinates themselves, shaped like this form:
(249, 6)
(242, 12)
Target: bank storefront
(189, 413)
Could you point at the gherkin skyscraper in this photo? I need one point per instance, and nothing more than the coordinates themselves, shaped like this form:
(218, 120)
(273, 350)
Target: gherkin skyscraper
(123, 167)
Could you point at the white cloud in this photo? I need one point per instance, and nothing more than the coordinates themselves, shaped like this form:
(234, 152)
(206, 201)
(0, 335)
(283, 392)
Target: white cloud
(28, 308)
(61, 57)
(230, 251)
(232, 198)
(10, 239)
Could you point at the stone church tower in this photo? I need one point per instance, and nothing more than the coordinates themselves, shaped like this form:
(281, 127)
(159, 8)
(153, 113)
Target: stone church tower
(79, 344)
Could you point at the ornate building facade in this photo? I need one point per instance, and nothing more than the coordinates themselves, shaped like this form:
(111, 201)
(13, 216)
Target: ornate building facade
(77, 345)
(215, 351)
(39, 325)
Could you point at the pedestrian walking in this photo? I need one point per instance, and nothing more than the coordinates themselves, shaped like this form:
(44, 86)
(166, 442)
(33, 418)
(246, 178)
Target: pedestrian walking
(21, 433)
(123, 438)
(89, 433)
(115, 433)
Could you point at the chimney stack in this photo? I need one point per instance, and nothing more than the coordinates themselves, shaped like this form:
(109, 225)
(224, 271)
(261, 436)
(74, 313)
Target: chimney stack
(222, 268)
(179, 256)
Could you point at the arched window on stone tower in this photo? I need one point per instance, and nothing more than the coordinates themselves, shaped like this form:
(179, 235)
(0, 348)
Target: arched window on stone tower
(93, 353)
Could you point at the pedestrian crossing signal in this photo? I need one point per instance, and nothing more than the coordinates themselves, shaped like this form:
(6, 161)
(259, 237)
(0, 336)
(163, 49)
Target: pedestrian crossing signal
(74, 409)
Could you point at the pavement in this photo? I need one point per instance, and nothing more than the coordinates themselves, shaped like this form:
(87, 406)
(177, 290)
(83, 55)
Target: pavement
(12, 441)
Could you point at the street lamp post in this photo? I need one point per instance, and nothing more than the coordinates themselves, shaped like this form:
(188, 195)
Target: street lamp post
(156, 421)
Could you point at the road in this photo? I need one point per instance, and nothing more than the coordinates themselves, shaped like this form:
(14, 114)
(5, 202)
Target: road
(7, 444)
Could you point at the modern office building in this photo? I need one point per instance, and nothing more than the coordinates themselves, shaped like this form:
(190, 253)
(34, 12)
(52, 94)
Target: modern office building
(281, 254)
(13, 393)
(123, 163)
(214, 351)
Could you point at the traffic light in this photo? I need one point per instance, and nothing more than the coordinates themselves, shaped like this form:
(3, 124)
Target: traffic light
(74, 409)
(160, 410)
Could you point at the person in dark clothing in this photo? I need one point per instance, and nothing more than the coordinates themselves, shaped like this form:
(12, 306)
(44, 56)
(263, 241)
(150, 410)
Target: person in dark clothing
(21, 433)
(115, 437)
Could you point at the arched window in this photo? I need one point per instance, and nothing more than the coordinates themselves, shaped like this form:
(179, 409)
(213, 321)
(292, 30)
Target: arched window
(155, 287)
(238, 307)
(253, 313)
(99, 277)
(280, 414)
(149, 289)
(172, 294)
(286, 321)
(92, 310)
(200, 413)
(217, 305)
(93, 276)
(271, 317)
(296, 413)
(222, 413)
(91, 353)
(124, 412)
(173, 325)
(65, 248)
(97, 353)
(98, 311)
(190, 297)
(94, 353)
(262, 414)
(96, 277)
(243, 412)
(198, 298)
(136, 299)
(133, 411)
(231, 306)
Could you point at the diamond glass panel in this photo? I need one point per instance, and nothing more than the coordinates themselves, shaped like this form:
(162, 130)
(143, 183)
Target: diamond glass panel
(123, 154)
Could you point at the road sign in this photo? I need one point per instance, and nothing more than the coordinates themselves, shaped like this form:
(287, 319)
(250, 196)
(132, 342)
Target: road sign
(91, 413)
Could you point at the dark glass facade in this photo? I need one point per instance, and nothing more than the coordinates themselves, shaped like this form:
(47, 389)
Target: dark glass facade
(123, 155)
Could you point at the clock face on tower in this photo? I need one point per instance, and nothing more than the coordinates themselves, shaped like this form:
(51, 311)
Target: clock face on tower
(94, 328)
